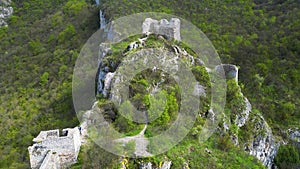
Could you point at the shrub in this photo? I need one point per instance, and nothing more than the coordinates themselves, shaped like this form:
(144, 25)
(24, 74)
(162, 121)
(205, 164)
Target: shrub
(287, 157)
(73, 7)
(66, 34)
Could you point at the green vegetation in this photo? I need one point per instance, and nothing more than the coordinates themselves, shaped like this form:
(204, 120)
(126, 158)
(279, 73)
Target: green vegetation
(93, 156)
(206, 155)
(167, 102)
(210, 154)
(260, 37)
(39, 49)
(139, 96)
(234, 99)
(130, 148)
(288, 157)
(37, 52)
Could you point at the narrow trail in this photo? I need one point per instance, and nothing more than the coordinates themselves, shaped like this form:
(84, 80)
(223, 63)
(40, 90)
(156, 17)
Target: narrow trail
(140, 141)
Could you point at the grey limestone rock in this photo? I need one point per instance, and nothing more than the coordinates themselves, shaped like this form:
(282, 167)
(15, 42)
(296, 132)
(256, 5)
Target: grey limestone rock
(165, 165)
(294, 134)
(5, 12)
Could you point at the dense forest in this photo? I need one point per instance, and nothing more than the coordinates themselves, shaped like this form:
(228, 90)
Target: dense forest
(262, 38)
(39, 48)
(38, 51)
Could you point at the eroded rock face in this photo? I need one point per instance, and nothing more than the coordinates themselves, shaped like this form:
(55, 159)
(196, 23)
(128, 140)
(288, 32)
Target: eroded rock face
(146, 166)
(101, 16)
(103, 70)
(263, 145)
(5, 12)
(108, 78)
(243, 116)
(199, 90)
(294, 134)
(102, 20)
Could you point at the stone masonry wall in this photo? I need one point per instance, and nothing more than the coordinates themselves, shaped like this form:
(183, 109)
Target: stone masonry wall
(49, 147)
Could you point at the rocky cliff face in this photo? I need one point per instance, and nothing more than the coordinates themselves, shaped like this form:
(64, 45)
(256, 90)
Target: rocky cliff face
(5, 11)
(263, 145)
(294, 134)
(260, 141)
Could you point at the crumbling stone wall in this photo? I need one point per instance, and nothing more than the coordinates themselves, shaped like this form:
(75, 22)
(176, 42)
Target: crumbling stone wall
(163, 27)
(50, 161)
(50, 150)
(230, 71)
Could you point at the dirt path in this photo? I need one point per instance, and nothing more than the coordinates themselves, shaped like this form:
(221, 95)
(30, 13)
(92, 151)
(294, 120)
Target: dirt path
(140, 141)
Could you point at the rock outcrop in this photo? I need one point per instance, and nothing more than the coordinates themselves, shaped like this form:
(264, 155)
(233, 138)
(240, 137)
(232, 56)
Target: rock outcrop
(262, 143)
(5, 12)
(294, 134)
(103, 69)
(102, 20)
(150, 26)
(165, 165)
(49, 148)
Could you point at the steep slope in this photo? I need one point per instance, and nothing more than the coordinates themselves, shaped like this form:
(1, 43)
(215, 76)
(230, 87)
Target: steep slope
(259, 143)
(260, 37)
(37, 53)
(41, 44)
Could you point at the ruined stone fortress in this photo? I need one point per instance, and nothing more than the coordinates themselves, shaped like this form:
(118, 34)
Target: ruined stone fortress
(163, 27)
(52, 149)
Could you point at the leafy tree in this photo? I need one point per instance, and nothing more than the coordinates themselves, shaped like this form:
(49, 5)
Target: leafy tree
(287, 157)
(44, 79)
